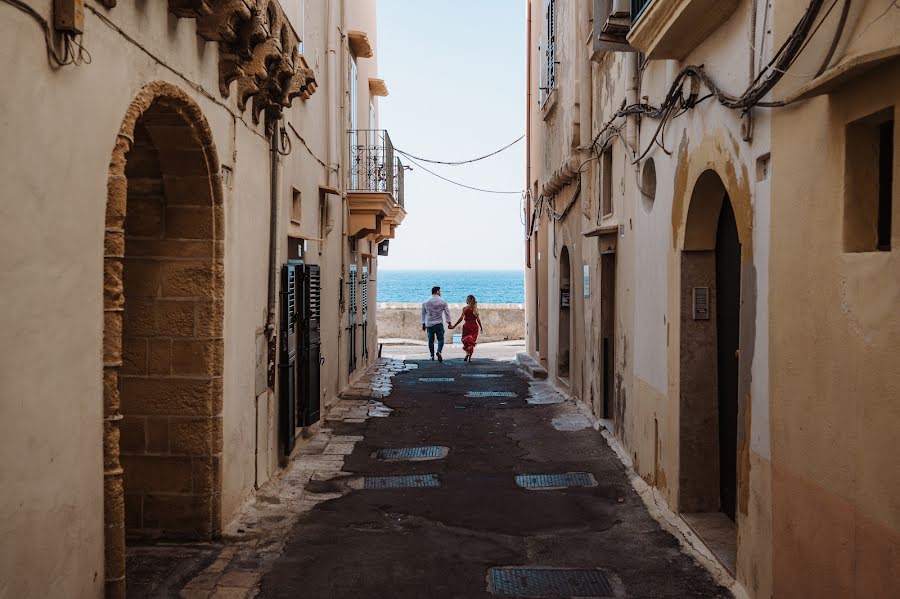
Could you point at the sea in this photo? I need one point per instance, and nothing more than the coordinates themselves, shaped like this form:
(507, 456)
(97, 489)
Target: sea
(488, 286)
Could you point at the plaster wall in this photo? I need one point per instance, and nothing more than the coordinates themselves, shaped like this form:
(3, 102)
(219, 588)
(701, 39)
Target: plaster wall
(834, 393)
(65, 122)
(648, 253)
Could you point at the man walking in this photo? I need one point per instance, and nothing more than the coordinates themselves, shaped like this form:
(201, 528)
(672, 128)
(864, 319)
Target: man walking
(434, 312)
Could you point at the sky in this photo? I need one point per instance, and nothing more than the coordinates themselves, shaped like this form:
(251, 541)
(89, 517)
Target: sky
(455, 72)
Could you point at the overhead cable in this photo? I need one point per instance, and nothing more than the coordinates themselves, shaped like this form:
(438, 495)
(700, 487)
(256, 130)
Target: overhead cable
(695, 75)
(461, 184)
(459, 162)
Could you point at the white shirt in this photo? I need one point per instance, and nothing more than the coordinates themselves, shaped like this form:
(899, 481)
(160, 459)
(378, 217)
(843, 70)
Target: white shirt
(435, 311)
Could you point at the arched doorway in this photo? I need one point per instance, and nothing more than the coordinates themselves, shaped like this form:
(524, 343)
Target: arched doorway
(709, 358)
(565, 300)
(163, 349)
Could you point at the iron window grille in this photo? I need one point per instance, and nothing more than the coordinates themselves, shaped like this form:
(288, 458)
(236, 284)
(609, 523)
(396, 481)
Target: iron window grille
(637, 7)
(548, 81)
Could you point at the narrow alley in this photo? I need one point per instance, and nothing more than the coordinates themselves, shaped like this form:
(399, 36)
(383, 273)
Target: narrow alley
(467, 520)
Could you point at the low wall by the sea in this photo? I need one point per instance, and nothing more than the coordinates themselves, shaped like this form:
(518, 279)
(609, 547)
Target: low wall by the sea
(501, 322)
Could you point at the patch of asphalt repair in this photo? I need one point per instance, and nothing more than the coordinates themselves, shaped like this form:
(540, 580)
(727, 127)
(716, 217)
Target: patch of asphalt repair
(442, 542)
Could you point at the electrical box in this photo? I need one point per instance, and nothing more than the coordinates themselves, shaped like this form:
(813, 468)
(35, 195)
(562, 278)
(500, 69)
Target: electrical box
(68, 15)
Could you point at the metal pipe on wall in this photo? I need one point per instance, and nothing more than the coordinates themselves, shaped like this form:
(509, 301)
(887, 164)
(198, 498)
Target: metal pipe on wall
(274, 182)
(528, 198)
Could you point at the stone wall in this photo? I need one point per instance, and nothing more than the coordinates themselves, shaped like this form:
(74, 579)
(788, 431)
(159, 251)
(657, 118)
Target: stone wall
(404, 321)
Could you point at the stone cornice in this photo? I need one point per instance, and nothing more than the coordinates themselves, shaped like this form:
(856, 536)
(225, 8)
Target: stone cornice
(259, 51)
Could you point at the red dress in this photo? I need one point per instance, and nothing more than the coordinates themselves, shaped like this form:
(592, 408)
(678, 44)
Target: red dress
(470, 330)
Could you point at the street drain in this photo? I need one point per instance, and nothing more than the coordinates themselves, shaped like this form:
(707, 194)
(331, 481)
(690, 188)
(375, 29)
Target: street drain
(548, 582)
(482, 376)
(432, 452)
(411, 481)
(556, 481)
(491, 394)
(437, 380)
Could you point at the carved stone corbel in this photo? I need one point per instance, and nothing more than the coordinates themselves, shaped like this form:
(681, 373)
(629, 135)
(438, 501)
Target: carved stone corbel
(190, 8)
(222, 25)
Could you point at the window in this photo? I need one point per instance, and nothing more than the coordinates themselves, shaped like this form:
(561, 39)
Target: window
(295, 207)
(354, 95)
(548, 65)
(869, 166)
(606, 162)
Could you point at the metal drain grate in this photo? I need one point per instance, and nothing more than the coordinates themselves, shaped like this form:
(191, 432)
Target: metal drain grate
(432, 452)
(411, 481)
(482, 376)
(437, 380)
(491, 394)
(548, 582)
(556, 481)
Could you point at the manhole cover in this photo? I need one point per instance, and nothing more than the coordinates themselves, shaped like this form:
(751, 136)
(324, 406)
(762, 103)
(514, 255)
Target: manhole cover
(437, 380)
(491, 394)
(412, 481)
(548, 582)
(482, 376)
(556, 481)
(433, 452)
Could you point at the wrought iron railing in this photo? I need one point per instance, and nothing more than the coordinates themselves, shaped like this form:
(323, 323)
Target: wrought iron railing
(372, 163)
(637, 7)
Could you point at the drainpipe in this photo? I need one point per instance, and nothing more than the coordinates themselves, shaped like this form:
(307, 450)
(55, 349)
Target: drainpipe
(633, 73)
(275, 167)
(335, 19)
(528, 198)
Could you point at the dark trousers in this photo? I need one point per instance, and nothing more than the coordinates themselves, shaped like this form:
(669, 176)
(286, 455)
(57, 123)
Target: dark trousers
(436, 330)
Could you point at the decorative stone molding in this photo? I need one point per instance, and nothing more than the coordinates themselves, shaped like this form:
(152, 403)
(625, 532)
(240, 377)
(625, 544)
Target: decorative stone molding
(258, 49)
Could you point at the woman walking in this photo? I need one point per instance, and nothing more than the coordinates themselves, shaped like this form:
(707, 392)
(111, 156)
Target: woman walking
(471, 326)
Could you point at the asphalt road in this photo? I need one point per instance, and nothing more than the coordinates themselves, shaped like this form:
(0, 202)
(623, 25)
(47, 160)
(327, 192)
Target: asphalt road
(441, 542)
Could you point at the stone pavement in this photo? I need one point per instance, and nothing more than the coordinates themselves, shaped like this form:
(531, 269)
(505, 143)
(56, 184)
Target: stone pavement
(326, 530)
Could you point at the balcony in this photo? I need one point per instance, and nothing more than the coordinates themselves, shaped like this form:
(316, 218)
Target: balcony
(673, 28)
(374, 185)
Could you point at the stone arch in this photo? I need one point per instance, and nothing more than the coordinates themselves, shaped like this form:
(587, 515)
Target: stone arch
(715, 246)
(163, 289)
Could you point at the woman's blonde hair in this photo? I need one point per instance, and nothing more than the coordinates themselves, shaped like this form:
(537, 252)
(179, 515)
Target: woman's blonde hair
(472, 303)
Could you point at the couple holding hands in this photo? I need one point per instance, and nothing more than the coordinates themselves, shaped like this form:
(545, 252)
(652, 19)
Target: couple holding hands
(435, 310)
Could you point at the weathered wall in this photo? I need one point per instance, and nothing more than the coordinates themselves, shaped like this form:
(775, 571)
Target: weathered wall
(52, 240)
(642, 239)
(835, 393)
(404, 321)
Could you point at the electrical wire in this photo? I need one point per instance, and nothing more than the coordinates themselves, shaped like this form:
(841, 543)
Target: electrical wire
(308, 149)
(459, 162)
(458, 183)
(696, 75)
(69, 40)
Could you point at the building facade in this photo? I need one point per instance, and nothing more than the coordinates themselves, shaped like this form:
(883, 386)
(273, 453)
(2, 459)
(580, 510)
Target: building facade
(712, 242)
(195, 194)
